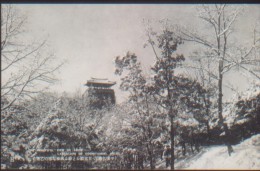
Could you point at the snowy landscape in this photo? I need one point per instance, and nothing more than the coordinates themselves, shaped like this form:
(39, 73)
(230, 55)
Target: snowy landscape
(246, 157)
(130, 87)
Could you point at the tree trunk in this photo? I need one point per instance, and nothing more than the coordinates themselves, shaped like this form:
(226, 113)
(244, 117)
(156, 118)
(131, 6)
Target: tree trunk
(220, 110)
(191, 147)
(151, 162)
(208, 133)
(183, 148)
(206, 102)
(172, 144)
(197, 145)
(150, 153)
(192, 142)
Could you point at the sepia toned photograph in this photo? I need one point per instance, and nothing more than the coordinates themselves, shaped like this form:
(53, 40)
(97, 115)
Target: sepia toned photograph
(130, 86)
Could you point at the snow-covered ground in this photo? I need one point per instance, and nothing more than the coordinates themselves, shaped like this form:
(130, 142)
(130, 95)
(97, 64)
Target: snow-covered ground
(246, 156)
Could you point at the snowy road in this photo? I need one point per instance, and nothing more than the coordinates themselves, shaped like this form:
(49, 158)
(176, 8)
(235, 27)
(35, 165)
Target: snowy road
(246, 156)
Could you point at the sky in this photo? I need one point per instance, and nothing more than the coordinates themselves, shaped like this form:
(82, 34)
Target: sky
(89, 37)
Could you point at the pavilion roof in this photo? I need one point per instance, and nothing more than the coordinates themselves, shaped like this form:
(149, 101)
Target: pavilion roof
(100, 82)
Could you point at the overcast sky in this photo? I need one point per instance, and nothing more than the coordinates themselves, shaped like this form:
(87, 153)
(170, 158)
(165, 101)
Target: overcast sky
(90, 36)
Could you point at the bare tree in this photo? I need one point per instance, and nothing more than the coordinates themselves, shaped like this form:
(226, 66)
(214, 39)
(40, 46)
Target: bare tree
(26, 68)
(221, 51)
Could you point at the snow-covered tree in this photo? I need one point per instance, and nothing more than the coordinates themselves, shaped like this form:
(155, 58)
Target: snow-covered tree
(208, 83)
(26, 66)
(147, 122)
(175, 93)
(164, 95)
(224, 54)
(246, 114)
(164, 79)
(14, 135)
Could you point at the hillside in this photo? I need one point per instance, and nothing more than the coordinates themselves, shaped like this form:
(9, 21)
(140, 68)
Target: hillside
(246, 156)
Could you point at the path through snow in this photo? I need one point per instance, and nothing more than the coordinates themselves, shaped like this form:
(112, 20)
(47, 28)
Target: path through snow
(246, 156)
